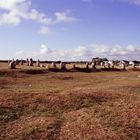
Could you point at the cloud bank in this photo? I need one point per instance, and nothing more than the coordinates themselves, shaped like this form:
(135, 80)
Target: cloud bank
(135, 2)
(15, 11)
(79, 53)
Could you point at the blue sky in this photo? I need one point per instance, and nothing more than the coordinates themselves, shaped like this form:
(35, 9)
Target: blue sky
(69, 29)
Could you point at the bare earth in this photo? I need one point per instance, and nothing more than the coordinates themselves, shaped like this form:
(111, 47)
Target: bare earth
(45, 105)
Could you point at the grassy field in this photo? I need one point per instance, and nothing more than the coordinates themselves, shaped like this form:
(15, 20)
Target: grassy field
(69, 105)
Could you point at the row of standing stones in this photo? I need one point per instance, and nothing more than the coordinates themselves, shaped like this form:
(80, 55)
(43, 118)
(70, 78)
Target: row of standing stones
(92, 66)
(13, 64)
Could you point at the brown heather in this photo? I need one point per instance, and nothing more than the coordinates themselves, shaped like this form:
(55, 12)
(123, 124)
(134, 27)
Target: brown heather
(42, 105)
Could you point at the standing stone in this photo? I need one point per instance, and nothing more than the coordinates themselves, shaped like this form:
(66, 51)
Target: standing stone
(87, 66)
(108, 65)
(48, 66)
(101, 64)
(21, 62)
(42, 66)
(38, 63)
(27, 61)
(113, 64)
(17, 62)
(12, 64)
(62, 66)
(93, 65)
(74, 66)
(31, 63)
(53, 65)
(133, 65)
(123, 66)
(8, 61)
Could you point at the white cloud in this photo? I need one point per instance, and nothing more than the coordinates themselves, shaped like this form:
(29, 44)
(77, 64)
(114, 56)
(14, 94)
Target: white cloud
(89, 1)
(131, 48)
(136, 2)
(10, 4)
(116, 52)
(81, 51)
(45, 31)
(15, 11)
(39, 17)
(86, 0)
(20, 52)
(64, 17)
(44, 50)
(9, 18)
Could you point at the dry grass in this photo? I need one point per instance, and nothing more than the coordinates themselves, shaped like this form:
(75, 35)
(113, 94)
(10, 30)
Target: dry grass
(37, 104)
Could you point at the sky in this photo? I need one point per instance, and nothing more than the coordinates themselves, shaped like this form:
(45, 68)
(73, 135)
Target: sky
(70, 30)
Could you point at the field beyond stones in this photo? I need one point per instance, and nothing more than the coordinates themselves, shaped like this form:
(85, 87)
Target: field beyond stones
(39, 105)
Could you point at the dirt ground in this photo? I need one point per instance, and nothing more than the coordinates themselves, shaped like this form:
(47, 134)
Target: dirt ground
(36, 104)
